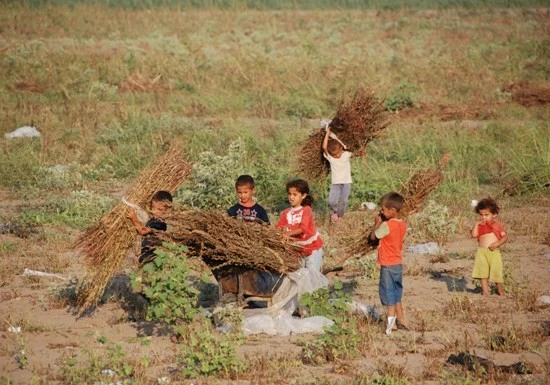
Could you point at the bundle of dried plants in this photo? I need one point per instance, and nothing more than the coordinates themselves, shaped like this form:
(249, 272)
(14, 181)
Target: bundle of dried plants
(415, 192)
(107, 244)
(359, 120)
(223, 242)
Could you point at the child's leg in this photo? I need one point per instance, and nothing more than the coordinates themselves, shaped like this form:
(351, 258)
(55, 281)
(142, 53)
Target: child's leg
(485, 286)
(343, 199)
(500, 290)
(313, 261)
(333, 196)
(391, 318)
(400, 314)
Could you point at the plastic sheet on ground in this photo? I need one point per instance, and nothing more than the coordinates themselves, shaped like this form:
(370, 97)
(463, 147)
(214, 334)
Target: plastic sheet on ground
(23, 132)
(424, 248)
(277, 319)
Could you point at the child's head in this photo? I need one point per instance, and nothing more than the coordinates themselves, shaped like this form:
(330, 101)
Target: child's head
(245, 188)
(298, 193)
(487, 209)
(161, 202)
(487, 204)
(391, 204)
(335, 148)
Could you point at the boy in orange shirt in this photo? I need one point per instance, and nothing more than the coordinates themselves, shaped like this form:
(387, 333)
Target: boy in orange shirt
(390, 230)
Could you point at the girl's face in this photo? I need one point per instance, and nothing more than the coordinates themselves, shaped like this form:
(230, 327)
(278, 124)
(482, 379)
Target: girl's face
(295, 197)
(485, 215)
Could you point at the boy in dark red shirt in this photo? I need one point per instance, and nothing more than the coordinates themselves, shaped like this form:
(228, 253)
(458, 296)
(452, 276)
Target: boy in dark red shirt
(390, 230)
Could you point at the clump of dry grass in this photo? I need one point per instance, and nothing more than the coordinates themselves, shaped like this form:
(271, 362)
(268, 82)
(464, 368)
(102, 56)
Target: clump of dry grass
(414, 191)
(106, 245)
(221, 241)
(359, 120)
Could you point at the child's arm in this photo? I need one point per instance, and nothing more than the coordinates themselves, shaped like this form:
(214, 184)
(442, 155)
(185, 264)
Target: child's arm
(287, 234)
(474, 232)
(500, 242)
(497, 227)
(377, 222)
(325, 141)
(140, 227)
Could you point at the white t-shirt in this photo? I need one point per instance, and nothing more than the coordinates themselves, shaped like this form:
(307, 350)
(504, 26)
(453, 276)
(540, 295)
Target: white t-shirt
(340, 168)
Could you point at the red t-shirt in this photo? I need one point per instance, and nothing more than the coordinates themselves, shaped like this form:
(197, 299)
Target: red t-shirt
(391, 242)
(302, 217)
(490, 227)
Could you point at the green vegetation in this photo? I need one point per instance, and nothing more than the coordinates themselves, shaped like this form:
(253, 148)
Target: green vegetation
(166, 282)
(288, 4)
(242, 84)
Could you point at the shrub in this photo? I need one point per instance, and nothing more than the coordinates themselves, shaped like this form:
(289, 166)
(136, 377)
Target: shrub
(167, 284)
(205, 352)
(402, 97)
(213, 178)
(433, 223)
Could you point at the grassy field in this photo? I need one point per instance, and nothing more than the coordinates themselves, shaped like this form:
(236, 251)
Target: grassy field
(243, 84)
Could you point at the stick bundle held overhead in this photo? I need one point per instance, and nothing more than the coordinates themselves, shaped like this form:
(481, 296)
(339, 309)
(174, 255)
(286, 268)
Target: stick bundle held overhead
(107, 244)
(223, 242)
(359, 120)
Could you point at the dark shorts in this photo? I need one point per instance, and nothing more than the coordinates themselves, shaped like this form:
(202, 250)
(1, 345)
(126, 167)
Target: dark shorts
(391, 285)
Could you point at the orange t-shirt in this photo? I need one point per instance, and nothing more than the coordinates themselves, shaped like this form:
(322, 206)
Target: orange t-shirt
(391, 234)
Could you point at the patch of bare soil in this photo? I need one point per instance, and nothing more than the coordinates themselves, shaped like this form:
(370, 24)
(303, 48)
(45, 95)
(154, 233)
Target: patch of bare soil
(528, 94)
(445, 311)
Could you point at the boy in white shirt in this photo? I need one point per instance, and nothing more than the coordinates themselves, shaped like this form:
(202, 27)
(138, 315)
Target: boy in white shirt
(340, 167)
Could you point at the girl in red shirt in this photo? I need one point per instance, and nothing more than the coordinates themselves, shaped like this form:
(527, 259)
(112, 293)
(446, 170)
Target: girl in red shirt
(297, 224)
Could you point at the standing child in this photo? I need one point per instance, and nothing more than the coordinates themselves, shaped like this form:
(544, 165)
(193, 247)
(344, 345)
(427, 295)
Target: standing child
(340, 168)
(297, 224)
(490, 236)
(390, 230)
(161, 203)
(247, 209)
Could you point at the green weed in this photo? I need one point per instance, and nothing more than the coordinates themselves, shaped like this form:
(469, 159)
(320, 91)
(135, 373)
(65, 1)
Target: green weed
(204, 352)
(167, 284)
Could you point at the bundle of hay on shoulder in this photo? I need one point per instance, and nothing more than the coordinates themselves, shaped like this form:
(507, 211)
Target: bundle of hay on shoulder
(107, 244)
(359, 120)
(224, 243)
(414, 191)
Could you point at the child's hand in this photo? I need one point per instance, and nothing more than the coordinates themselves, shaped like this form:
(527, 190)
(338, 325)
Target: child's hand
(377, 220)
(132, 215)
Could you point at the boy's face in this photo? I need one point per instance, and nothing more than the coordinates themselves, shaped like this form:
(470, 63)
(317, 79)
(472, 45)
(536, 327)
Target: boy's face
(246, 194)
(388, 212)
(338, 153)
(159, 208)
(485, 215)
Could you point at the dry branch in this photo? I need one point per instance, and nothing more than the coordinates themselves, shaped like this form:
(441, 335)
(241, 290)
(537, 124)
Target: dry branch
(221, 241)
(414, 191)
(107, 244)
(359, 120)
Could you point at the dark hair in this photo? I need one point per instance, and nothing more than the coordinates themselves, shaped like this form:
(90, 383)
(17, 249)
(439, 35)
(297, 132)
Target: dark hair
(161, 196)
(333, 146)
(302, 187)
(245, 180)
(487, 203)
(392, 200)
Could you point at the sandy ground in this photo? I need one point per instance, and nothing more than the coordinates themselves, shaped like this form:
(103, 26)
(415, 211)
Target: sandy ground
(51, 332)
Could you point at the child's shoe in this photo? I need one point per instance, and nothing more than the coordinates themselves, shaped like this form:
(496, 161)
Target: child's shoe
(334, 218)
